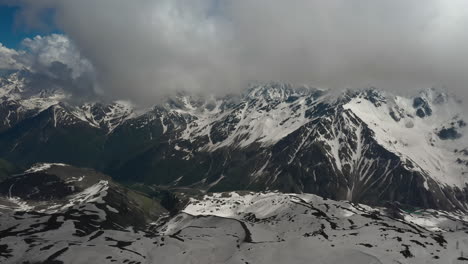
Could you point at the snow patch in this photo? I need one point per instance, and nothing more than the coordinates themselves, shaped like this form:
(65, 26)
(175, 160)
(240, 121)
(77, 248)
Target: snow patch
(43, 166)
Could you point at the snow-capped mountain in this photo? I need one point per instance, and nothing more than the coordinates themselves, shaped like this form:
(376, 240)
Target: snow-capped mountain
(20, 99)
(365, 146)
(54, 213)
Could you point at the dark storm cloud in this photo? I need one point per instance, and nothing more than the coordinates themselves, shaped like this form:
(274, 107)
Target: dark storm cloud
(143, 49)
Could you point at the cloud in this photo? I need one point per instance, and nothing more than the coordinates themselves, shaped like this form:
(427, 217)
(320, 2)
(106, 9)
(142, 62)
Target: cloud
(144, 49)
(7, 59)
(51, 61)
(42, 53)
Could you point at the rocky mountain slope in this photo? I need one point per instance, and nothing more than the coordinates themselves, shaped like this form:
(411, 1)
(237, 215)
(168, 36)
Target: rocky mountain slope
(54, 213)
(51, 205)
(364, 146)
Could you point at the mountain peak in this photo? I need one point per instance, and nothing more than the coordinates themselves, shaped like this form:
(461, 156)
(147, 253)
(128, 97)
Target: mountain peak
(278, 91)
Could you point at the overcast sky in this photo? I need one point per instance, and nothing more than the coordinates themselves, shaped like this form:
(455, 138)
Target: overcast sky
(143, 49)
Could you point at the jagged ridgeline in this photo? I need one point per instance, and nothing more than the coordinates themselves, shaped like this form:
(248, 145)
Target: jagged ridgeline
(365, 146)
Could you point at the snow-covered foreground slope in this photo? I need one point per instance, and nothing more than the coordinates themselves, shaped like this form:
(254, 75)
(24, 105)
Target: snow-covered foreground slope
(290, 228)
(234, 228)
(55, 206)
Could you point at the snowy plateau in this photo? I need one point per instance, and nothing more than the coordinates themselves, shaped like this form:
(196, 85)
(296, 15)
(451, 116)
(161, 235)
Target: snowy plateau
(91, 224)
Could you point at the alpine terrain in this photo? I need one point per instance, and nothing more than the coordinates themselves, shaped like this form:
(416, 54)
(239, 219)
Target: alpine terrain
(54, 213)
(279, 173)
(364, 146)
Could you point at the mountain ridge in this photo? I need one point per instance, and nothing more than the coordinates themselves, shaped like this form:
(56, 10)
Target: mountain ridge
(362, 145)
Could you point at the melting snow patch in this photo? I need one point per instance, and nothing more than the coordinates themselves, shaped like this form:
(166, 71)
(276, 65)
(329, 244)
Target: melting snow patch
(112, 209)
(429, 223)
(20, 204)
(94, 193)
(43, 166)
(75, 179)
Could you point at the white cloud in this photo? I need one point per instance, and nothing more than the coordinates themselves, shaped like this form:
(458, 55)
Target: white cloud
(41, 52)
(46, 55)
(7, 59)
(53, 61)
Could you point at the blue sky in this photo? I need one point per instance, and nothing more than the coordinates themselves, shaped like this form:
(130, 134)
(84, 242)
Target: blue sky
(11, 34)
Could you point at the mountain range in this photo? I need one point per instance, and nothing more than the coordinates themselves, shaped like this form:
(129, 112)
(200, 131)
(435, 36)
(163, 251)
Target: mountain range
(367, 146)
(279, 173)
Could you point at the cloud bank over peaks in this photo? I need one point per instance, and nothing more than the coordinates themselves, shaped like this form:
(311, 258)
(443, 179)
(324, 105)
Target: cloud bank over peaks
(144, 49)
